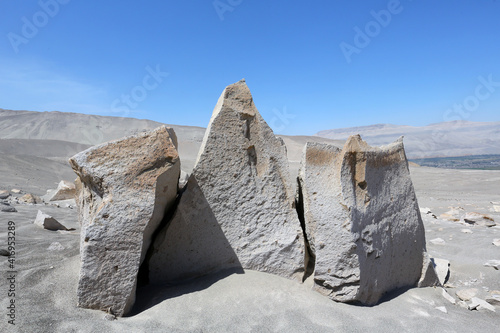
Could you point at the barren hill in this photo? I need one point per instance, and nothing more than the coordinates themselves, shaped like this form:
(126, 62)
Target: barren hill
(456, 138)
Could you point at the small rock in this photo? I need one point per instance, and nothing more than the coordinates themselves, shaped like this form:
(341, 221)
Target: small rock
(478, 304)
(4, 253)
(493, 263)
(48, 222)
(425, 210)
(496, 242)
(493, 300)
(438, 241)
(183, 180)
(463, 304)
(442, 267)
(16, 191)
(4, 194)
(479, 219)
(5, 207)
(448, 297)
(65, 190)
(56, 246)
(110, 317)
(31, 199)
(466, 294)
(466, 231)
(442, 309)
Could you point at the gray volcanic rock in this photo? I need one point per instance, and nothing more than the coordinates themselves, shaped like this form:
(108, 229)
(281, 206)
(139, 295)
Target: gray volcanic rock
(124, 188)
(6, 207)
(238, 207)
(362, 220)
(4, 194)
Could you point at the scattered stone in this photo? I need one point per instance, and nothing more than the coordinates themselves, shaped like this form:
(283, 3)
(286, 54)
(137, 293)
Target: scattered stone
(466, 231)
(65, 191)
(496, 209)
(7, 208)
(442, 309)
(56, 246)
(479, 219)
(429, 277)
(362, 220)
(124, 188)
(466, 294)
(437, 241)
(442, 267)
(16, 191)
(48, 222)
(478, 304)
(496, 242)
(493, 263)
(454, 214)
(4, 253)
(448, 297)
(493, 300)
(237, 210)
(425, 210)
(4, 194)
(31, 199)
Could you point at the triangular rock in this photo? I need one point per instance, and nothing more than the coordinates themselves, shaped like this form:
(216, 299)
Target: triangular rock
(238, 207)
(362, 220)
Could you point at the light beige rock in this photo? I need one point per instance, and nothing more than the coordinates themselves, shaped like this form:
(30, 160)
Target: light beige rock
(4, 194)
(466, 294)
(480, 304)
(124, 188)
(65, 190)
(16, 191)
(238, 208)
(362, 220)
(496, 242)
(442, 267)
(48, 222)
(31, 199)
(479, 219)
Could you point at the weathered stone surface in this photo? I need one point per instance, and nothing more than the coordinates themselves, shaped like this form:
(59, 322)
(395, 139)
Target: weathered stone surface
(65, 190)
(48, 222)
(480, 304)
(429, 276)
(362, 219)
(238, 207)
(124, 188)
(4, 194)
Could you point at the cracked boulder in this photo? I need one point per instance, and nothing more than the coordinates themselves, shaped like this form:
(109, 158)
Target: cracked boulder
(124, 188)
(362, 220)
(238, 207)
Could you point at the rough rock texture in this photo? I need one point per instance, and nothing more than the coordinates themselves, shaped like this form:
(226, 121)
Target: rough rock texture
(362, 220)
(124, 188)
(6, 207)
(4, 194)
(65, 191)
(48, 222)
(238, 207)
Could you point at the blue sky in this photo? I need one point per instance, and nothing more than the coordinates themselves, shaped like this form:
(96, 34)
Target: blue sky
(310, 66)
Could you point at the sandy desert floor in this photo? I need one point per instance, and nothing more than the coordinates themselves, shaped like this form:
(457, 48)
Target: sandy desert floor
(47, 265)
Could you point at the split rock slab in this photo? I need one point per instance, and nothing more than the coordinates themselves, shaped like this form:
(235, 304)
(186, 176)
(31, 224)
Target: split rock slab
(124, 188)
(362, 220)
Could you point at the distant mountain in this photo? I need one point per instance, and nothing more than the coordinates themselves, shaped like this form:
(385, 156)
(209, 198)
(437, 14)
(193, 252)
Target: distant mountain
(456, 138)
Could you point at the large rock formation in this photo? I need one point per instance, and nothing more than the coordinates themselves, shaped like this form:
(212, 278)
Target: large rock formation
(238, 207)
(362, 220)
(124, 188)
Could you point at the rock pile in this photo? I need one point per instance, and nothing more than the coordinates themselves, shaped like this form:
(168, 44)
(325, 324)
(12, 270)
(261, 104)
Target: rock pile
(354, 222)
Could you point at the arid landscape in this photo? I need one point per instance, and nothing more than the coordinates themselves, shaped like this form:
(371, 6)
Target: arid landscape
(460, 210)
